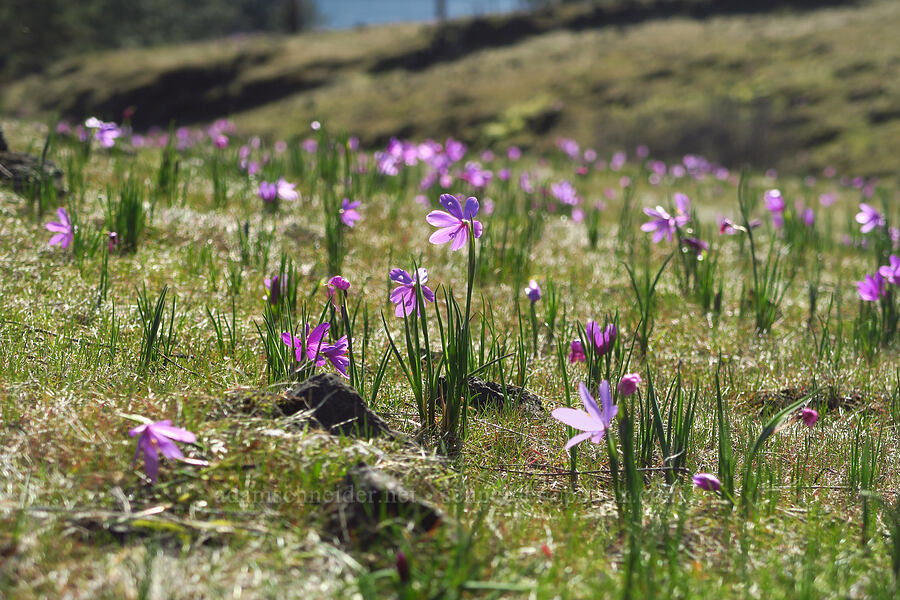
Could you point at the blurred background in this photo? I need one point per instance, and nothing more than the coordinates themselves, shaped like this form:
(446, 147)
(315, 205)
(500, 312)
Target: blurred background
(793, 84)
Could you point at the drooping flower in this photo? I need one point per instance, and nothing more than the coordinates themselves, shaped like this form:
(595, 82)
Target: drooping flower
(404, 295)
(311, 347)
(891, 272)
(454, 224)
(159, 437)
(809, 416)
(603, 340)
(869, 218)
(596, 421)
(349, 214)
(113, 241)
(662, 224)
(577, 352)
(707, 481)
(332, 285)
(697, 245)
(871, 289)
(64, 229)
(533, 291)
(629, 384)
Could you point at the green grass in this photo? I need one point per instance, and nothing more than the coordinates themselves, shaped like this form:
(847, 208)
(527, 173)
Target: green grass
(251, 524)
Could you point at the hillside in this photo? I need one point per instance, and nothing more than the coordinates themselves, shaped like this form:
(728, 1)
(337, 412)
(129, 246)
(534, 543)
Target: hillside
(790, 89)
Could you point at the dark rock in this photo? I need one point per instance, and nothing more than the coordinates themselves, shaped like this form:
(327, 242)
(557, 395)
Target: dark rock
(369, 500)
(335, 406)
(484, 394)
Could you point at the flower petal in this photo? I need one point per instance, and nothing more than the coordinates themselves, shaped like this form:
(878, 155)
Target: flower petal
(589, 403)
(439, 218)
(471, 208)
(452, 205)
(577, 419)
(578, 439)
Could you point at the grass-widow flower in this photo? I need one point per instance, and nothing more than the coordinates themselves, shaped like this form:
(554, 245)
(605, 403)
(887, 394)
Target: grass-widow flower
(454, 224)
(64, 229)
(533, 291)
(869, 218)
(629, 384)
(595, 422)
(708, 482)
(404, 295)
(159, 437)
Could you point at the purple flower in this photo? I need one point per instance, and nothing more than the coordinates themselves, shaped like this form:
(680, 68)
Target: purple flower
(220, 141)
(808, 216)
(105, 133)
(276, 286)
(577, 352)
(349, 215)
(404, 295)
(336, 283)
(533, 291)
(311, 347)
(336, 354)
(707, 481)
(64, 230)
(871, 289)
(595, 422)
(869, 218)
(286, 190)
(891, 273)
(565, 192)
(662, 224)
(774, 201)
(158, 437)
(454, 224)
(629, 384)
(809, 416)
(603, 340)
(267, 192)
(697, 245)
(113, 240)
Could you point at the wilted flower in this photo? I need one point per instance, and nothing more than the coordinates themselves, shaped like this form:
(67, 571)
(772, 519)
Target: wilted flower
(404, 295)
(533, 291)
(159, 437)
(64, 229)
(629, 384)
(454, 224)
(871, 289)
(708, 482)
(349, 215)
(595, 422)
(869, 218)
(809, 416)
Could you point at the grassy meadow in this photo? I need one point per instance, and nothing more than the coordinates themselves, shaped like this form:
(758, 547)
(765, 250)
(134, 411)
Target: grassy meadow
(731, 342)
